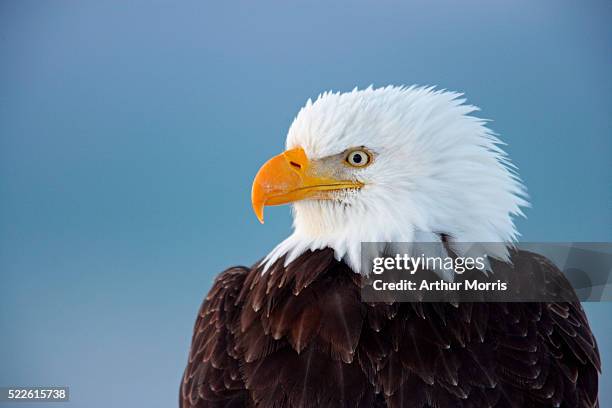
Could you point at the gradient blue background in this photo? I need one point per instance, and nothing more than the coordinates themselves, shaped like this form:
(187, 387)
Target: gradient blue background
(130, 133)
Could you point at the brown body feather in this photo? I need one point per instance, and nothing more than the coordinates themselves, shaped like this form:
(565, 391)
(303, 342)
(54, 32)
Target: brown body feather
(299, 336)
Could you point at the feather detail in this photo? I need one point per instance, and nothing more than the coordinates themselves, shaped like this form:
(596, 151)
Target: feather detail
(299, 336)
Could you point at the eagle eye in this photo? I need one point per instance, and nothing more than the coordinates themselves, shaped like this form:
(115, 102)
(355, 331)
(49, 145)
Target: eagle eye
(358, 158)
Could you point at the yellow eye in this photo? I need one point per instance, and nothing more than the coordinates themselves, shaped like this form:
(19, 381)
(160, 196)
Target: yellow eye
(358, 158)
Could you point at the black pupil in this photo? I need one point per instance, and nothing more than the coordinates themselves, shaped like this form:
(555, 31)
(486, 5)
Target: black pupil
(357, 158)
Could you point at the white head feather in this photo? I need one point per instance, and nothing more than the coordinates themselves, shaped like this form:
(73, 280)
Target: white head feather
(438, 169)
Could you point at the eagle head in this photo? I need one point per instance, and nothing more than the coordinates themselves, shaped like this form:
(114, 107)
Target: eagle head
(392, 164)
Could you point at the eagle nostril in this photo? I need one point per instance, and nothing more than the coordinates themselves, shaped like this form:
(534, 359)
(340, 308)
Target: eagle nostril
(296, 165)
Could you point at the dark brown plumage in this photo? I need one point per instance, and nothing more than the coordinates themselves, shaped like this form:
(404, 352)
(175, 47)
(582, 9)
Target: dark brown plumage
(299, 336)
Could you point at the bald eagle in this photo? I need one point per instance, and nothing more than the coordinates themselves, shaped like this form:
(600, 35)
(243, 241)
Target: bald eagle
(392, 164)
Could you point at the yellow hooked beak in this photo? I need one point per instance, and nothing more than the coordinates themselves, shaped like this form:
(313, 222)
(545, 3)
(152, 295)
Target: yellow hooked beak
(291, 177)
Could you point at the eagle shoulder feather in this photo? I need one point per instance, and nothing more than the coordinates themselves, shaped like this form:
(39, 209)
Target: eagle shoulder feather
(300, 336)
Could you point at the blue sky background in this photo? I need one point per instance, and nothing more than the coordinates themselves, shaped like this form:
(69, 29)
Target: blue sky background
(130, 133)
